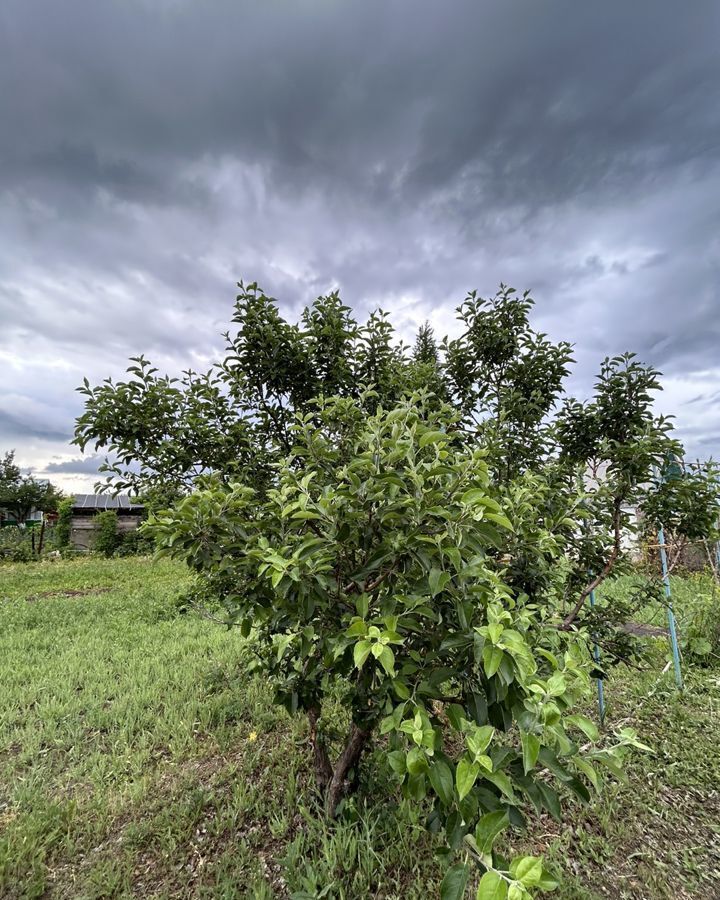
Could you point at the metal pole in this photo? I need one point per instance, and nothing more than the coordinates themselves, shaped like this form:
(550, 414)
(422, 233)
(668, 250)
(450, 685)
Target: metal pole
(600, 685)
(671, 615)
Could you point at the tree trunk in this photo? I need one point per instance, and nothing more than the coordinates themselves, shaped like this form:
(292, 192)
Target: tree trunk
(323, 768)
(332, 781)
(348, 759)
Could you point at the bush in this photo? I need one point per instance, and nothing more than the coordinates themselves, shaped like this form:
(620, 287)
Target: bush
(135, 543)
(64, 523)
(15, 544)
(106, 539)
(698, 611)
(373, 571)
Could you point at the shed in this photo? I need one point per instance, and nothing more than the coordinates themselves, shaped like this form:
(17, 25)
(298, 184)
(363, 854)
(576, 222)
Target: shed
(129, 511)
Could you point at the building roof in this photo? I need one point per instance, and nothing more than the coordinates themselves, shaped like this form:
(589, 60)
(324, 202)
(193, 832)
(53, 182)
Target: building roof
(105, 501)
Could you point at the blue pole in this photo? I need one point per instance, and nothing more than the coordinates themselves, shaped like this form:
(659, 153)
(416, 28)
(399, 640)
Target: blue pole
(600, 685)
(671, 615)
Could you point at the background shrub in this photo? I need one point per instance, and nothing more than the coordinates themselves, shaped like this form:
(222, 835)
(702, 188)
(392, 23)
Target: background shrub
(107, 540)
(700, 620)
(135, 543)
(64, 523)
(15, 544)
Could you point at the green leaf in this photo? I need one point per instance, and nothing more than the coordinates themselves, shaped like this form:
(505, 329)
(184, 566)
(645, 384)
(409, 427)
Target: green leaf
(492, 887)
(517, 892)
(387, 724)
(432, 437)
(442, 781)
(456, 716)
(455, 882)
(416, 761)
(396, 761)
(556, 685)
(628, 737)
(361, 605)
(356, 629)
(282, 645)
(700, 646)
(437, 579)
(501, 781)
(500, 519)
(589, 771)
(478, 740)
(387, 661)
(588, 728)
(547, 882)
(361, 653)
(466, 776)
(488, 828)
(530, 749)
(473, 496)
(494, 631)
(490, 534)
(527, 869)
(550, 800)
(492, 657)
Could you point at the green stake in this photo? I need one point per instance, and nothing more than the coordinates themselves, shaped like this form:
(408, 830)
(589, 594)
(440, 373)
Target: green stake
(600, 685)
(671, 615)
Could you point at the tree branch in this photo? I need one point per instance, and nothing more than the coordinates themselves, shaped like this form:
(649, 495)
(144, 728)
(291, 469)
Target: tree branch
(607, 568)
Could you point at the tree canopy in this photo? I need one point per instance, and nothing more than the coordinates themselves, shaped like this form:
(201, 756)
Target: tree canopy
(413, 531)
(20, 494)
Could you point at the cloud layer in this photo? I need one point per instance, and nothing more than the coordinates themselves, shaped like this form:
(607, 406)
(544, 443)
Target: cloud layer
(403, 150)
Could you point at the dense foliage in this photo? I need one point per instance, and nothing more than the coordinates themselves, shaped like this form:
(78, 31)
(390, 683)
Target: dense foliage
(504, 380)
(106, 538)
(373, 569)
(15, 544)
(63, 527)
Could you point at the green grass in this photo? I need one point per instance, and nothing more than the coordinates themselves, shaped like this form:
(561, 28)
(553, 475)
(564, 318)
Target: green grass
(138, 759)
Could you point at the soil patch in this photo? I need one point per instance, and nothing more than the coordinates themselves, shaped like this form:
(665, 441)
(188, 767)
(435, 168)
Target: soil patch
(43, 595)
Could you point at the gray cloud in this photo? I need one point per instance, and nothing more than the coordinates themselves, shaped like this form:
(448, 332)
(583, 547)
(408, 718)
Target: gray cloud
(20, 428)
(82, 465)
(155, 152)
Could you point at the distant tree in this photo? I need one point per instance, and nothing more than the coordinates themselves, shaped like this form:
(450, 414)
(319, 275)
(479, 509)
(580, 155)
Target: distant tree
(20, 494)
(425, 350)
(9, 471)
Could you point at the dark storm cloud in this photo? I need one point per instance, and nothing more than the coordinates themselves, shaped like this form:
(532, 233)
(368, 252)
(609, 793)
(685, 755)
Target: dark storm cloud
(154, 151)
(21, 428)
(84, 465)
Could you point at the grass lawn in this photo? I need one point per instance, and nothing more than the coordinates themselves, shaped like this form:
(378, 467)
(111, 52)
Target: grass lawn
(137, 759)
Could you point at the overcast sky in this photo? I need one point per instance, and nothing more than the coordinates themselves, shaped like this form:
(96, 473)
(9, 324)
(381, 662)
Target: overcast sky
(155, 152)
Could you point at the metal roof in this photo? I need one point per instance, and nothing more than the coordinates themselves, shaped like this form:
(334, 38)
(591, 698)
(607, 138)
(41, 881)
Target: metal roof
(105, 501)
